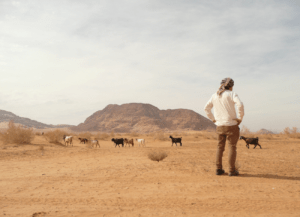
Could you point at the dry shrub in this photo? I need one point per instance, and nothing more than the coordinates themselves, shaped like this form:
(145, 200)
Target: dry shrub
(102, 136)
(17, 134)
(246, 132)
(266, 136)
(291, 133)
(160, 135)
(134, 134)
(157, 156)
(38, 133)
(112, 134)
(55, 136)
(176, 134)
(41, 147)
(295, 135)
(287, 131)
(150, 134)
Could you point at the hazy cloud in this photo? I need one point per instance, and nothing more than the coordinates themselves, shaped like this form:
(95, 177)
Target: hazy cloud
(75, 57)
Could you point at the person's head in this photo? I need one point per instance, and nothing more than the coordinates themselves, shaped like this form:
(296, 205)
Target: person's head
(226, 84)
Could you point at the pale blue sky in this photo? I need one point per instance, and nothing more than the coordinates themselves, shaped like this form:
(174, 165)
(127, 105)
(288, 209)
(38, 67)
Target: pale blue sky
(60, 61)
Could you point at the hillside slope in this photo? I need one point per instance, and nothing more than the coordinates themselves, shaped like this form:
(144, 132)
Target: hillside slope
(6, 116)
(143, 118)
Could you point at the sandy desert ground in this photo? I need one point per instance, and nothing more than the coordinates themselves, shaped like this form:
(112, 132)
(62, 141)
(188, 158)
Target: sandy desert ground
(109, 181)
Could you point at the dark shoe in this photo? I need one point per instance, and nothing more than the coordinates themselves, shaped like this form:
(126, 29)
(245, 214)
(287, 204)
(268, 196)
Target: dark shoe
(234, 173)
(220, 172)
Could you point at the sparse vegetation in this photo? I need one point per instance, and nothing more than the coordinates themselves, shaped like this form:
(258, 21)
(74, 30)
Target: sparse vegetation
(86, 135)
(291, 133)
(102, 136)
(245, 131)
(160, 135)
(17, 134)
(157, 155)
(200, 135)
(55, 136)
(266, 136)
(134, 134)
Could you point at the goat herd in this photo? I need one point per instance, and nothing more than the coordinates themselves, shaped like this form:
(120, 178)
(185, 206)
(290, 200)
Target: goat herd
(117, 141)
(141, 142)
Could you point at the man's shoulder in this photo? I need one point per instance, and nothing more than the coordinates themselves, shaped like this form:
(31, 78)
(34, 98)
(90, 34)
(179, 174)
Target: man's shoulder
(234, 94)
(231, 93)
(214, 95)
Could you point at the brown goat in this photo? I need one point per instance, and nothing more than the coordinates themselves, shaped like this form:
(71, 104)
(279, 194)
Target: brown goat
(129, 142)
(83, 140)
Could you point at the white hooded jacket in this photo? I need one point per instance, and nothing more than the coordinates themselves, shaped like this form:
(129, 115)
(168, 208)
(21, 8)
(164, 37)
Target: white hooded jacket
(224, 108)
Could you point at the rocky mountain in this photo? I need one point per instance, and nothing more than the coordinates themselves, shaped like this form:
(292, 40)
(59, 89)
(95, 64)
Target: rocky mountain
(6, 116)
(264, 131)
(143, 118)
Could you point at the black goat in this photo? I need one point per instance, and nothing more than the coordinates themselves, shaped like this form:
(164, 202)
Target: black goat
(83, 140)
(252, 141)
(176, 140)
(118, 142)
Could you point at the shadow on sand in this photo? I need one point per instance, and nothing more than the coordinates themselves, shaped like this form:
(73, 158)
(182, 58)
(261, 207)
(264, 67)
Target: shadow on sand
(269, 176)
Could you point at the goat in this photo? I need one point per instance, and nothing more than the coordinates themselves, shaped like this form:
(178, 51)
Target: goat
(95, 142)
(68, 140)
(176, 140)
(83, 140)
(252, 141)
(118, 141)
(129, 142)
(141, 142)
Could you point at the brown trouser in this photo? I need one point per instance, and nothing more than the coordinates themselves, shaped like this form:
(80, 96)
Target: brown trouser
(232, 133)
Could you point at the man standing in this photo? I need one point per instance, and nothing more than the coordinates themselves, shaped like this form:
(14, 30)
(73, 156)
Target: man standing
(224, 102)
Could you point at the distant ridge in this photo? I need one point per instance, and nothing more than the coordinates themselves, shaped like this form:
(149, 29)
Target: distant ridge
(6, 116)
(143, 118)
(264, 131)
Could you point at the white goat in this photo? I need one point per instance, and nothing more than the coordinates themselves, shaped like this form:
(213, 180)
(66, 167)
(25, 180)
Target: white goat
(68, 140)
(94, 142)
(141, 142)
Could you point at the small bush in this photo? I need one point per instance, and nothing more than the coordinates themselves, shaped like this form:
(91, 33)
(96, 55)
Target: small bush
(157, 156)
(17, 134)
(55, 136)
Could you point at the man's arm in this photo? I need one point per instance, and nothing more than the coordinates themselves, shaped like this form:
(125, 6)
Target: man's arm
(209, 105)
(240, 108)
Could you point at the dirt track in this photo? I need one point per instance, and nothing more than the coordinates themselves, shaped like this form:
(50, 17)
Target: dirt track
(80, 181)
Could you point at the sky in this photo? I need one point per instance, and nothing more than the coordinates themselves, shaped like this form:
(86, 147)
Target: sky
(61, 61)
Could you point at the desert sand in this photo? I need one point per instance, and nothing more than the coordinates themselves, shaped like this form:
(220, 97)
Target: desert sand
(108, 181)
